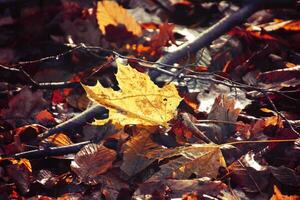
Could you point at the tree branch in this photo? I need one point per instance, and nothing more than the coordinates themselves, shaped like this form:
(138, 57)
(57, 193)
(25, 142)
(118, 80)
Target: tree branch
(89, 114)
(215, 31)
(51, 151)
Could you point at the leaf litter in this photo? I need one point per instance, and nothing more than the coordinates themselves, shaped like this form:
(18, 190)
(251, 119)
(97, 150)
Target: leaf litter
(240, 92)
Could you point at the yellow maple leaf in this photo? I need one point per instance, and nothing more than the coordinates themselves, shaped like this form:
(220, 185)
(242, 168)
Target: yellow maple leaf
(139, 101)
(109, 12)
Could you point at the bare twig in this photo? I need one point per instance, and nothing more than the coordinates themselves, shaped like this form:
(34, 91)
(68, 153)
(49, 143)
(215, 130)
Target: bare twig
(191, 126)
(69, 125)
(51, 151)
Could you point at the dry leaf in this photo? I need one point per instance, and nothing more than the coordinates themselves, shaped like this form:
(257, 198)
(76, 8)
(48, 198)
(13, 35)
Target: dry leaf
(110, 13)
(92, 160)
(249, 174)
(135, 150)
(199, 159)
(177, 188)
(140, 101)
(223, 110)
(58, 140)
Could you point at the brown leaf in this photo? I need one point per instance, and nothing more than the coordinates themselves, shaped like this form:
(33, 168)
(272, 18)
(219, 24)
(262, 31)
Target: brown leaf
(285, 175)
(111, 185)
(20, 172)
(177, 188)
(201, 160)
(92, 160)
(223, 110)
(249, 174)
(110, 13)
(262, 123)
(24, 106)
(134, 159)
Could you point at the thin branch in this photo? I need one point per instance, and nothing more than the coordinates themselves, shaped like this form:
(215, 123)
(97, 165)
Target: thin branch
(51, 151)
(89, 114)
(209, 35)
(191, 126)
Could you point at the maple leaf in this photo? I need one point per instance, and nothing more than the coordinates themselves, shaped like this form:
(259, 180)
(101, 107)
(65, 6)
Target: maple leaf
(110, 13)
(140, 101)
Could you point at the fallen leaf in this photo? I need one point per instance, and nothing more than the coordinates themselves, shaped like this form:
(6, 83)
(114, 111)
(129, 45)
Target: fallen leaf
(199, 159)
(20, 171)
(44, 115)
(91, 161)
(24, 106)
(285, 175)
(134, 150)
(177, 188)
(225, 114)
(140, 101)
(111, 185)
(58, 140)
(279, 196)
(111, 13)
(249, 174)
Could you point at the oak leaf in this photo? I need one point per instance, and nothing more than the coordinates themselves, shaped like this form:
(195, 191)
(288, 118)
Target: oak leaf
(140, 101)
(111, 13)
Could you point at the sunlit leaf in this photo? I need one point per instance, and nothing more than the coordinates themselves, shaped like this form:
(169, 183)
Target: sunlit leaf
(110, 13)
(139, 101)
(279, 196)
(198, 159)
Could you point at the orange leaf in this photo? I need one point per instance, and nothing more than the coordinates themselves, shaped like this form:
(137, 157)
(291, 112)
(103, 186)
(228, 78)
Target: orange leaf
(44, 115)
(279, 196)
(58, 140)
(110, 13)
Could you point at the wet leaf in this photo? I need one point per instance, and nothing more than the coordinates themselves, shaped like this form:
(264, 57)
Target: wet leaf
(140, 101)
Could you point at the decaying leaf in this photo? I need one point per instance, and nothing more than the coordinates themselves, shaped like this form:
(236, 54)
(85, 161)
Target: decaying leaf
(135, 150)
(285, 175)
(199, 159)
(177, 188)
(224, 112)
(24, 106)
(249, 174)
(140, 101)
(92, 160)
(110, 13)
(20, 171)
